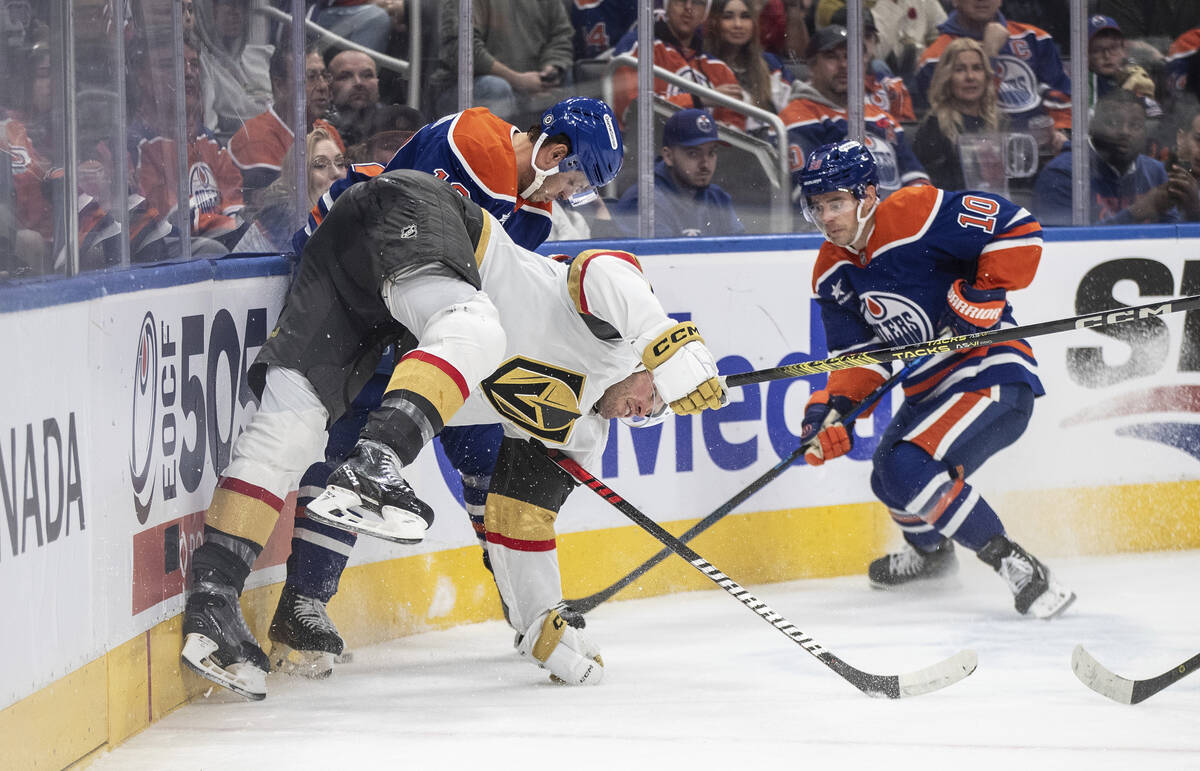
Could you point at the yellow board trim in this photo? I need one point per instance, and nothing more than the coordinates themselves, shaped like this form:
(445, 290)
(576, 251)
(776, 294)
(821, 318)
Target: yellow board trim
(241, 515)
(105, 701)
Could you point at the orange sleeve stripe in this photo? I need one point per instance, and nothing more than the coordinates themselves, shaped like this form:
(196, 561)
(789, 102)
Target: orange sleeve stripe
(1186, 43)
(1008, 268)
(857, 383)
(579, 268)
(370, 169)
(1020, 230)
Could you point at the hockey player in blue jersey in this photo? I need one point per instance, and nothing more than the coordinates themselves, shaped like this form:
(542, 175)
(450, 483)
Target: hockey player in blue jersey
(912, 267)
(514, 175)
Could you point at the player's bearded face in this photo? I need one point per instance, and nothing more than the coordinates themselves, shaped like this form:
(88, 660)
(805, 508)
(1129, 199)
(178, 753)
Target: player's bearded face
(635, 396)
(837, 214)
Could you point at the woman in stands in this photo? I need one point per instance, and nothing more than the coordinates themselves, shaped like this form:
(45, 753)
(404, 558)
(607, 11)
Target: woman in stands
(962, 101)
(732, 35)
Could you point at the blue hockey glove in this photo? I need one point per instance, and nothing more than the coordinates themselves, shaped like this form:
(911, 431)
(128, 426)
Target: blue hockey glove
(970, 310)
(829, 438)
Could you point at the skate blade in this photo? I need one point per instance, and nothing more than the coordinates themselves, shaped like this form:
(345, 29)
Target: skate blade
(345, 510)
(1052, 602)
(243, 678)
(315, 665)
(946, 581)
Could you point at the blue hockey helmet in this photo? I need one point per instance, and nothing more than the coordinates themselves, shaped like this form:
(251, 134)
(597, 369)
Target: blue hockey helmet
(847, 166)
(596, 148)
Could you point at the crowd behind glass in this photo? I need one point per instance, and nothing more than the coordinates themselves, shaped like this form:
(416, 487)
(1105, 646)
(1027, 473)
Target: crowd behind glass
(114, 111)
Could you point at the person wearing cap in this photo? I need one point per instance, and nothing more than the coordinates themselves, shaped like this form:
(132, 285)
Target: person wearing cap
(816, 115)
(686, 203)
(1109, 66)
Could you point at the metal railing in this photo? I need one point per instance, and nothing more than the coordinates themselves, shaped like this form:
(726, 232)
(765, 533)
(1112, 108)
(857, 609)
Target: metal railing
(781, 206)
(410, 69)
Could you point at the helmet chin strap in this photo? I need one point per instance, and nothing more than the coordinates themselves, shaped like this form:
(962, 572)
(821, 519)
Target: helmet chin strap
(539, 175)
(863, 219)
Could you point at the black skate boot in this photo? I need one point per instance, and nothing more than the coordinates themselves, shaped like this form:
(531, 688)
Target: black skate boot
(218, 645)
(1034, 591)
(304, 640)
(367, 494)
(911, 564)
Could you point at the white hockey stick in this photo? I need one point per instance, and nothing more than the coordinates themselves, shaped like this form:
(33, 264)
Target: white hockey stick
(1096, 676)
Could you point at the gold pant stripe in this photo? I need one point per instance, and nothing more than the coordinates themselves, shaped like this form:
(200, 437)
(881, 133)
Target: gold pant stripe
(421, 375)
(518, 520)
(241, 515)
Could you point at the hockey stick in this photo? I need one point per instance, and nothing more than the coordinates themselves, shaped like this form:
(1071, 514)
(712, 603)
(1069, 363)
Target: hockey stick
(1096, 676)
(965, 342)
(932, 678)
(586, 604)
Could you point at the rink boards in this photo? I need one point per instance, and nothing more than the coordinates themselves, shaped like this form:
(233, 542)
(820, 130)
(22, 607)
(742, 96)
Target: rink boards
(125, 391)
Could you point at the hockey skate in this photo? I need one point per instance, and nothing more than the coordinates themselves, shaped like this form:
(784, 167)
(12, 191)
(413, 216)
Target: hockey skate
(910, 564)
(367, 494)
(561, 647)
(218, 645)
(1035, 592)
(304, 640)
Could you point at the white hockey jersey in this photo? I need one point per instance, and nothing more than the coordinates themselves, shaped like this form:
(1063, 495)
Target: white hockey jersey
(574, 328)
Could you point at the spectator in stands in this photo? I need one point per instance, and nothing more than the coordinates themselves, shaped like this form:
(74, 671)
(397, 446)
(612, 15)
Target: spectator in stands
(215, 184)
(260, 144)
(237, 72)
(1183, 165)
(885, 90)
(678, 47)
(816, 116)
(358, 21)
(1183, 64)
(686, 203)
(962, 100)
(905, 28)
(1025, 58)
(1151, 18)
(1127, 187)
(389, 129)
(273, 213)
(523, 54)
(783, 30)
(731, 35)
(1110, 67)
(354, 90)
(599, 24)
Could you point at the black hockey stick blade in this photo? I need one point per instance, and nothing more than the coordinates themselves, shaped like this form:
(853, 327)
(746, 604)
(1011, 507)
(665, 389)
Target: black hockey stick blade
(933, 678)
(1103, 681)
(966, 342)
(590, 602)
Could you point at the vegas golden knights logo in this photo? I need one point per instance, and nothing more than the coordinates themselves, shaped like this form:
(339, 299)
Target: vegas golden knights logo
(541, 399)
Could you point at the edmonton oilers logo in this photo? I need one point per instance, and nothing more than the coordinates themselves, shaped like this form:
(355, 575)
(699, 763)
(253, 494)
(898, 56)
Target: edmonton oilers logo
(895, 318)
(1018, 88)
(885, 162)
(144, 417)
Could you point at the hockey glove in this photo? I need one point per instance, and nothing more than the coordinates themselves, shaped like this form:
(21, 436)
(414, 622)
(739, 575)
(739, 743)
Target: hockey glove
(830, 439)
(684, 370)
(970, 310)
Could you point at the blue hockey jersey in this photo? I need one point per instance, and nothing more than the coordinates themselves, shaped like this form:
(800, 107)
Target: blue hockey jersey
(894, 291)
(472, 152)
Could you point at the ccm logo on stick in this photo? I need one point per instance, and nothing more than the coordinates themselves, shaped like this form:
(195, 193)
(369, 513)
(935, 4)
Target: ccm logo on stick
(1118, 317)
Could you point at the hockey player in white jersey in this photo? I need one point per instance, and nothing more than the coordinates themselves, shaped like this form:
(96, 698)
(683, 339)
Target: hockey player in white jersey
(553, 351)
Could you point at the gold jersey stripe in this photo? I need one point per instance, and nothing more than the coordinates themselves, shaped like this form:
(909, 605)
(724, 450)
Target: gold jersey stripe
(241, 515)
(518, 520)
(579, 267)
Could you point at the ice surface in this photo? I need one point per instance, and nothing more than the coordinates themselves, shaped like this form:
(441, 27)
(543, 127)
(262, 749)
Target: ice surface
(699, 679)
